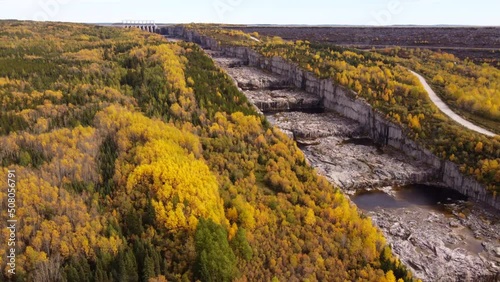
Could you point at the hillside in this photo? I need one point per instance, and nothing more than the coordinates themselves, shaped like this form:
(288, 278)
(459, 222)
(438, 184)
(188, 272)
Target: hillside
(139, 160)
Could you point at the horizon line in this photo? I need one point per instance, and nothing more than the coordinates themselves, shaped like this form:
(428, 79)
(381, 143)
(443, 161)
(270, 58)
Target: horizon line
(275, 24)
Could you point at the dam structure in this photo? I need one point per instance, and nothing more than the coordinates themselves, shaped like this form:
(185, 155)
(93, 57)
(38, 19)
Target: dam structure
(146, 25)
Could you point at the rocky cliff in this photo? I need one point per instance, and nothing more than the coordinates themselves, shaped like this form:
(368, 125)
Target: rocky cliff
(345, 101)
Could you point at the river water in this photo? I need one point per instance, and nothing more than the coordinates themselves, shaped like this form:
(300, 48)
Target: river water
(412, 195)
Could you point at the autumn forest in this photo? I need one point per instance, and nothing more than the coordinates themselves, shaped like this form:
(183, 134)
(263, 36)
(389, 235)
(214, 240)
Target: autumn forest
(139, 160)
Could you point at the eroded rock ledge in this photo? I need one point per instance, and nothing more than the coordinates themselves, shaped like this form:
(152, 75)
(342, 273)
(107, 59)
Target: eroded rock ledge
(335, 146)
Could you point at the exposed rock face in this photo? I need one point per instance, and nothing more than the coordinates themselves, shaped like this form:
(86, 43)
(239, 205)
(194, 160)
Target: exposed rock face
(268, 91)
(314, 126)
(254, 78)
(335, 150)
(363, 166)
(283, 100)
(226, 62)
(345, 102)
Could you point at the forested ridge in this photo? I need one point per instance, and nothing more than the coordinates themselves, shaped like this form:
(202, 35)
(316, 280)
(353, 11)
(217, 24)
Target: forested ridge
(383, 79)
(139, 160)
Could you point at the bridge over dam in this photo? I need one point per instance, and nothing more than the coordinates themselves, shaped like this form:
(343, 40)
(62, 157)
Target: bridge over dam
(146, 25)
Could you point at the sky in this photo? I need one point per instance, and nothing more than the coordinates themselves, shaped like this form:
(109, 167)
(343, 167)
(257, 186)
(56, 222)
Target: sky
(313, 12)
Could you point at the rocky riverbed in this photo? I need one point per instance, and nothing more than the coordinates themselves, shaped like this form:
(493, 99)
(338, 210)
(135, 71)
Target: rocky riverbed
(337, 148)
(456, 241)
(459, 242)
(268, 100)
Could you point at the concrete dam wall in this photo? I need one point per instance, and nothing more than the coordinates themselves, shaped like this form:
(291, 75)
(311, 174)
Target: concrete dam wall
(345, 102)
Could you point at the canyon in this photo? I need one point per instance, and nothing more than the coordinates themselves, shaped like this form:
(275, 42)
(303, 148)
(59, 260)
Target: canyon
(358, 150)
